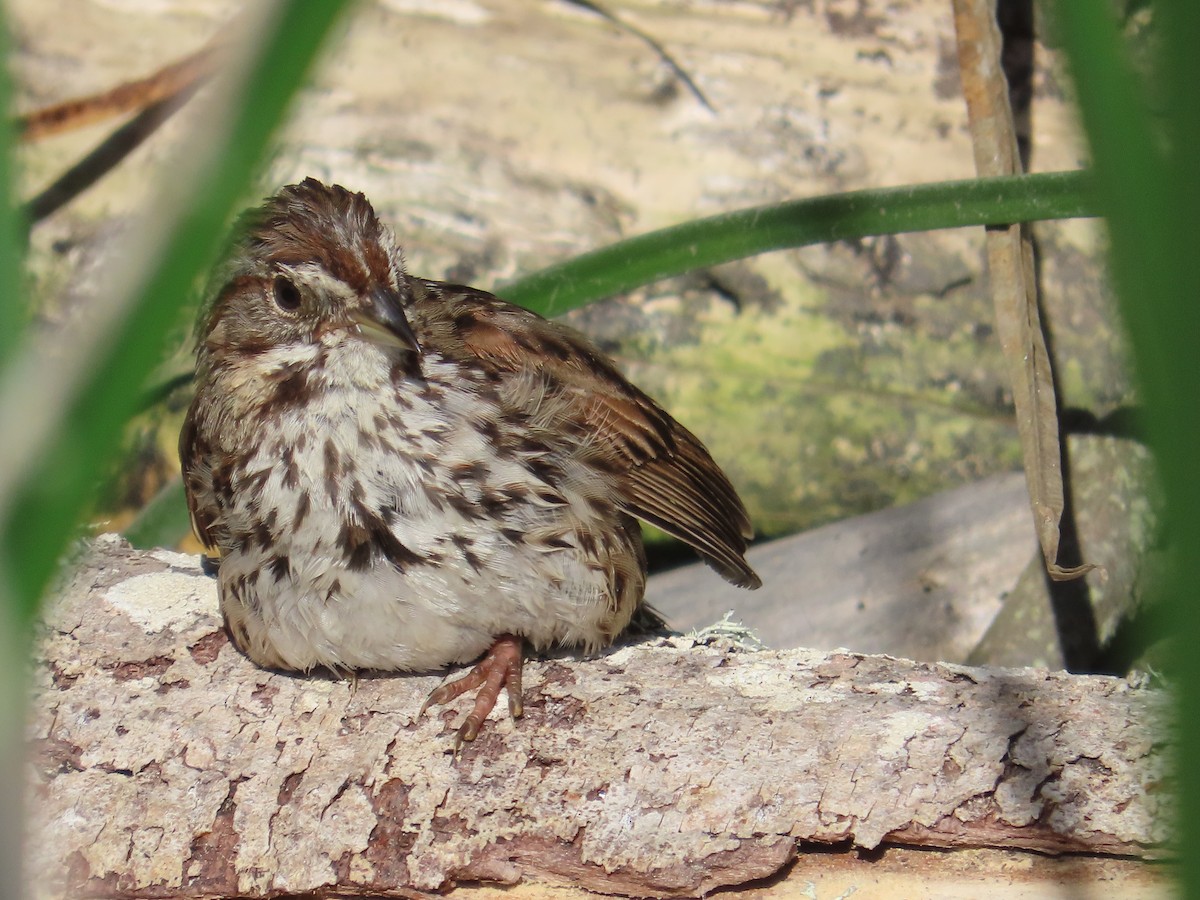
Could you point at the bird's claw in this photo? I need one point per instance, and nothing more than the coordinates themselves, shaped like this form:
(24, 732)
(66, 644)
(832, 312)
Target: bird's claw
(500, 668)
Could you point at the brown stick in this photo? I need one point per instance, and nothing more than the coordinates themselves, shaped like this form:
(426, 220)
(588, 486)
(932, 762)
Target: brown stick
(105, 156)
(1012, 278)
(170, 81)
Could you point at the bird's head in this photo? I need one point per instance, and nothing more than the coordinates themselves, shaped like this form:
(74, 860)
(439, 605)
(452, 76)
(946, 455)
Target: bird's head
(314, 260)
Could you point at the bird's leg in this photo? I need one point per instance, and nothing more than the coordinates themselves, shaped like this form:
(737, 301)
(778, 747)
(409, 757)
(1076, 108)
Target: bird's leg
(500, 668)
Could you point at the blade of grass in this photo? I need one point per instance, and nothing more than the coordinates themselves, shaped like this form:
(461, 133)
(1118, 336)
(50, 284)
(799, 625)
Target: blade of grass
(47, 506)
(164, 521)
(1151, 197)
(12, 692)
(706, 242)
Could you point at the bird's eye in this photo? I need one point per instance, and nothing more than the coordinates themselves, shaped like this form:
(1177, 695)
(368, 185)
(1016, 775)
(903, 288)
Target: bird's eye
(287, 295)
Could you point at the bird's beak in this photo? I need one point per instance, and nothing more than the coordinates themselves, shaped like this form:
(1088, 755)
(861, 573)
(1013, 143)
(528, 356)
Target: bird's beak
(381, 320)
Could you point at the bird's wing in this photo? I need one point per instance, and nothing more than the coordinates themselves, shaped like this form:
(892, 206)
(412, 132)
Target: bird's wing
(664, 474)
(198, 479)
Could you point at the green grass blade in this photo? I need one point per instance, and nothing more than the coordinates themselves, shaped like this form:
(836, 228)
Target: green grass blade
(163, 522)
(1148, 185)
(12, 645)
(673, 251)
(45, 514)
(705, 242)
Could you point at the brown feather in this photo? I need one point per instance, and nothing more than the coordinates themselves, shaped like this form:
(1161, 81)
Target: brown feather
(664, 474)
(190, 458)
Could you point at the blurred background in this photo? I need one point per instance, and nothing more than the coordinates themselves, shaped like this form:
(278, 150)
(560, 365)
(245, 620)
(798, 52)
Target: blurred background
(498, 137)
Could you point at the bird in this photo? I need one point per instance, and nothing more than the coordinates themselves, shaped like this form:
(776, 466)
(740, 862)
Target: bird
(401, 474)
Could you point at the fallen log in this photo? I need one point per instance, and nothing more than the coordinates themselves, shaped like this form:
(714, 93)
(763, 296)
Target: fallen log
(165, 764)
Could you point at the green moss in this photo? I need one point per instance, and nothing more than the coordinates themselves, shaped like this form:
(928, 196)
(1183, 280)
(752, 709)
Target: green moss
(814, 423)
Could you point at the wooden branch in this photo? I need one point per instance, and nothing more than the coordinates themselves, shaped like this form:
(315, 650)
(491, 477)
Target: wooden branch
(1013, 279)
(181, 77)
(104, 157)
(167, 765)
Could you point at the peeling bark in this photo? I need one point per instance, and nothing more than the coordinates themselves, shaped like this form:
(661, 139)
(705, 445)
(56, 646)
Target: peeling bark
(165, 764)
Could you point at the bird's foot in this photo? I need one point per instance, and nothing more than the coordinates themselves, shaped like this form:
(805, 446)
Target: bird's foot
(500, 668)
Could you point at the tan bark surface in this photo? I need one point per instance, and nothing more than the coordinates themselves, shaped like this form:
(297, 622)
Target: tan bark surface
(166, 764)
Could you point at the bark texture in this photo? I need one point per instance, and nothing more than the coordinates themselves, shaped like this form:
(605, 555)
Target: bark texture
(165, 764)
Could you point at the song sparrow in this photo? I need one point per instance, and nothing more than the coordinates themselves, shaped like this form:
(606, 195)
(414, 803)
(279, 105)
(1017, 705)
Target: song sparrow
(400, 474)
